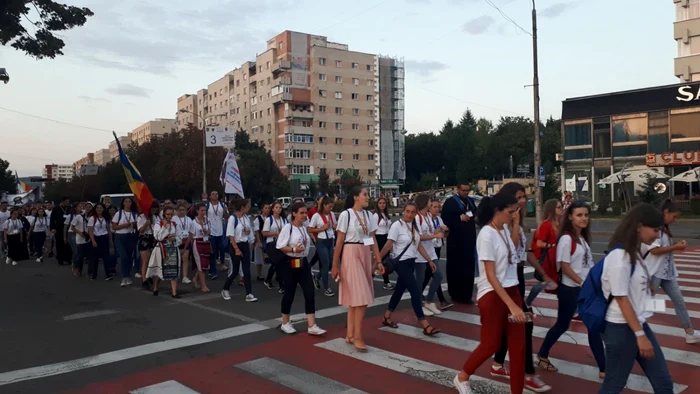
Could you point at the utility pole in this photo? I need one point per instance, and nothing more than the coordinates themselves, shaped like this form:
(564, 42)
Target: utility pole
(536, 94)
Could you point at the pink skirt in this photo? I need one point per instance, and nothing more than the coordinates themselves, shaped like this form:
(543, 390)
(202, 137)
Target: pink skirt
(356, 284)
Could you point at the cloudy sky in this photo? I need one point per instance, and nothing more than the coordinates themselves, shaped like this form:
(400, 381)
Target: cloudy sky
(134, 58)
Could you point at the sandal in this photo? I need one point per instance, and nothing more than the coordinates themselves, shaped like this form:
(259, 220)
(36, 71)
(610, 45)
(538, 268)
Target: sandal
(546, 365)
(360, 348)
(387, 322)
(430, 331)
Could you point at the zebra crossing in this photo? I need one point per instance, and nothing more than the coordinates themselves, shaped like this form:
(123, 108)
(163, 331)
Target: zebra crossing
(403, 359)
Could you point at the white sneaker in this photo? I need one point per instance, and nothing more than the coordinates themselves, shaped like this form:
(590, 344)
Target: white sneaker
(427, 312)
(462, 387)
(692, 338)
(226, 294)
(8, 261)
(129, 282)
(38, 260)
(186, 280)
(250, 298)
(432, 308)
(14, 263)
(316, 330)
(124, 283)
(137, 276)
(288, 328)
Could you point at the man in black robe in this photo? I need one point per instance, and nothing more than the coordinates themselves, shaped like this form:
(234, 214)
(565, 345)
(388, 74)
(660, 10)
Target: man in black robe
(63, 251)
(458, 214)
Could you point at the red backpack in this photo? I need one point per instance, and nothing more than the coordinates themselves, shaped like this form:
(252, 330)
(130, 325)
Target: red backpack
(548, 257)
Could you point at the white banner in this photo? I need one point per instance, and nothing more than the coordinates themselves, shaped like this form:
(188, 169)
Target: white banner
(230, 175)
(89, 169)
(224, 136)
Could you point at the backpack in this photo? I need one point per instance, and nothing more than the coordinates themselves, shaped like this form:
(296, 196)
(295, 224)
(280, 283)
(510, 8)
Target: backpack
(548, 260)
(592, 304)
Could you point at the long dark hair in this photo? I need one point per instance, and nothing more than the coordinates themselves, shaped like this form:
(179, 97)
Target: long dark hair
(512, 188)
(378, 211)
(626, 234)
(105, 212)
(671, 207)
(350, 198)
(490, 205)
(422, 201)
(567, 226)
(238, 204)
(323, 202)
(134, 207)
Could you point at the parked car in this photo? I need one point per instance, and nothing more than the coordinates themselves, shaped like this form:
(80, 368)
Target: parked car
(4, 76)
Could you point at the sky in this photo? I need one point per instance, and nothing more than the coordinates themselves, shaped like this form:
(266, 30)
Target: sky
(134, 58)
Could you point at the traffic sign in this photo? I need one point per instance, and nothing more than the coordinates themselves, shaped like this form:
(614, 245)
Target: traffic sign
(88, 169)
(223, 136)
(540, 181)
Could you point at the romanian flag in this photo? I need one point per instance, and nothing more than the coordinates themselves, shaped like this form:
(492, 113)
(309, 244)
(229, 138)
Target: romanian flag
(143, 195)
(21, 186)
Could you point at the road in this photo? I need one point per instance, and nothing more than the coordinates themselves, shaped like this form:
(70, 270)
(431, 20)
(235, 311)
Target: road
(65, 334)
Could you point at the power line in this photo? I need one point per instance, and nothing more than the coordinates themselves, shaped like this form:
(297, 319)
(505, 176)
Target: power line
(58, 121)
(353, 16)
(470, 102)
(506, 17)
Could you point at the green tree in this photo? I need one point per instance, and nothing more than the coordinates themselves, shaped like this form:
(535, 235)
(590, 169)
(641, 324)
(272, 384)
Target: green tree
(8, 183)
(427, 181)
(324, 182)
(647, 193)
(46, 18)
(348, 180)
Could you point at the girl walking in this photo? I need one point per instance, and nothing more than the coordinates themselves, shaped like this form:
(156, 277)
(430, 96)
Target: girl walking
(147, 241)
(37, 234)
(184, 224)
(259, 253)
(201, 248)
(323, 225)
(13, 232)
(545, 242)
(382, 218)
(165, 261)
(436, 220)
(271, 230)
(428, 235)
(125, 238)
(240, 234)
(98, 230)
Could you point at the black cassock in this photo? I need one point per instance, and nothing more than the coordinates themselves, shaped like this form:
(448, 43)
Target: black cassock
(461, 248)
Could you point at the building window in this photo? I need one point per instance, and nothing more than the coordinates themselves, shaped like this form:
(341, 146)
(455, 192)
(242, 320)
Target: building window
(685, 126)
(322, 124)
(370, 82)
(356, 111)
(370, 112)
(322, 61)
(298, 154)
(355, 96)
(356, 82)
(630, 130)
(370, 157)
(338, 79)
(323, 155)
(370, 97)
(630, 150)
(339, 171)
(658, 132)
(300, 138)
(577, 134)
(356, 141)
(370, 172)
(339, 156)
(577, 154)
(339, 141)
(338, 110)
(355, 66)
(371, 142)
(355, 156)
(370, 127)
(322, 77)
(300, 170)
(338, 63)
(338, 126)
(601, 137)
(322, 93)
(369, 67)
(338, 95)
(355, 126)
(322, 108)
(322, 140)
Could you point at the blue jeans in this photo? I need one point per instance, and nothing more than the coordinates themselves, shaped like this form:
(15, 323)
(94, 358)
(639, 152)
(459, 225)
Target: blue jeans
(434, 284)
(324, 251)
(621, 351)
(125, 245)
(567, 308)
(219, 245)
(674, 293)
(407, 280)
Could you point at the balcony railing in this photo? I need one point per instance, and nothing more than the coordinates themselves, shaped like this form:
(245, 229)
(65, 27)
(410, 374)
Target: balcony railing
(298, 113)
(281, 97)
(281, 66)
(298, 130)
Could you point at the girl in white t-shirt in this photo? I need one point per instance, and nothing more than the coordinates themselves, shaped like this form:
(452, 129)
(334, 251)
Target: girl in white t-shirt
(184, 224)
(499, 299)
(99, 231)
(662, 268)
(37, 234)
(270, 231)
(626, 279)
(383, 219)
(239, 231)
(144, 224)
(323, 224)
(405, 245)
(125, 238)
(258, 253)
(13, 233)
(201, 248)
(575, 259)
(428, 234)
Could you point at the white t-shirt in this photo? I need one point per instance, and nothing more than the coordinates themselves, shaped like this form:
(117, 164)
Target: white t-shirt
(581, 261)
(41, 225)
(437, 223)
(196, 229)
(521, 249)
(425, 226)
(616, 280)
(215, 215)
(100, 226)
(257, 227)
(661, 266)
(141, 221)
(80, 224)
(317, 222)
(30, 220)
(68, 220)
(383, 225)
(182, 225)
(123, 217)
(13, 226)
(402, 235)
(240, 228)
(491, 246)
(354, 232)
(274, 226)
(4, 217)
(291, 219)
(293, 238)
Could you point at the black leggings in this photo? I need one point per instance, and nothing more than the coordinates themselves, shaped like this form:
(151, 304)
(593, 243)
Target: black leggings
(429, 275)
(500, 356)
(236, 262)
(381, 241)
(292, 277)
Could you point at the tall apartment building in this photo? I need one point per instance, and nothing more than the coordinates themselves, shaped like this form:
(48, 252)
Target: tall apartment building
(686, 32)
(146, 131)
(114, 150)
(88, 159)
(102, 156)
(187, 111)
(202, 107)
(315, 104)
(54, 172)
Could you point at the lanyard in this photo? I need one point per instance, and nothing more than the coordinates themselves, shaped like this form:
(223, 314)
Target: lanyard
(505, 241)
(425, 218)
(362, 223)
(182, 224)
(278, 223)
(216, 209)
(202, 225)
(436, 222)
(303, 235)
(410, 229)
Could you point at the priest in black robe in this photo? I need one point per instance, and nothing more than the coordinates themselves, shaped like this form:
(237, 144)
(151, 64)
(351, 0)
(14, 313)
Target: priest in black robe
(458, 214)
(56, 223)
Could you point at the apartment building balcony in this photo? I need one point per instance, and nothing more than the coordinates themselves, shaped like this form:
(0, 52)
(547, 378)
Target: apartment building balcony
(281, 97)
(298, 114)
(298, 130)
(285, 81)
(281, 66)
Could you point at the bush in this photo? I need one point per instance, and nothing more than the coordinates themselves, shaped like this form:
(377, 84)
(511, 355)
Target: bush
(603, 207)
(617, 207)
(695, 206)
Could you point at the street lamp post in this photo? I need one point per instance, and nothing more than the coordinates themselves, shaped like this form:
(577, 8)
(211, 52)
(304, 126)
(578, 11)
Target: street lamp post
(204, 151)
(536, 99)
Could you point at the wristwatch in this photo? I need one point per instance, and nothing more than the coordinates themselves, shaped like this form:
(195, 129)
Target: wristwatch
(294, 249)
(639, 333)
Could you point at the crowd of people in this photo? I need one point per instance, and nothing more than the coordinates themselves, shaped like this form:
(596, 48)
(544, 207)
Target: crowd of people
(176, 241)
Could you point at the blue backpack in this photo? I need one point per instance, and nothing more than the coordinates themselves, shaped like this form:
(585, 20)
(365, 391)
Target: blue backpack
(592, 304)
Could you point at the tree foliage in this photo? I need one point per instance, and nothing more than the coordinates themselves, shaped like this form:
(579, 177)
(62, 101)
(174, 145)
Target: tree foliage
(647, 192)
(473, 149)
(171, 165)
(45, 18)
(348, 180)
(324, 182)
(7, 179)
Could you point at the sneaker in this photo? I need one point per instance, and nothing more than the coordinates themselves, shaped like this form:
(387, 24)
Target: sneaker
(226, 295)
(288, 328)
(462, 387)
(250, 298)
(129, 282)
(213, 277)
(446, 305)
(8, 261)
(38, 260)
(388, 286)
(432, 307)
(534, 383)
(260, 279)
(427, 312)
(500, 372)
(124, 283)
(281, 291)
(576, 318)
(137, 275)
(328, 293)
(269, 285)
(692, 338)
(317, 285)
(186, 280)
(316, 330)
(109, 277)
(14, 263)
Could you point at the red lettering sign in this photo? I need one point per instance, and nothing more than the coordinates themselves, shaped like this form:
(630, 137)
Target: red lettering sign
(686, 158)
